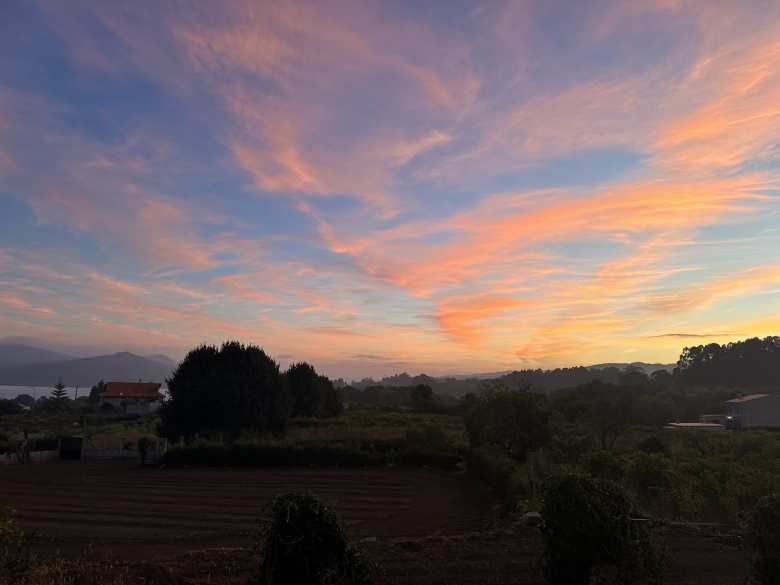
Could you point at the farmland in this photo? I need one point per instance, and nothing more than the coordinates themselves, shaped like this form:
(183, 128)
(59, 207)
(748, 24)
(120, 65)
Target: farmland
(201, 525)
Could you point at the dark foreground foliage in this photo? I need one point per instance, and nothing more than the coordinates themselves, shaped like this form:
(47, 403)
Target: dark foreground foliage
(588, 525)
(764, 540)
(306, 546)
(14, 560)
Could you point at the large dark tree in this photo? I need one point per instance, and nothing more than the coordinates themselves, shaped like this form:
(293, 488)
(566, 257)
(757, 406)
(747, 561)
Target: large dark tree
(421, 398)
(96, 391)
(313, 394)
(225, 389)
(517, 421)
(605, 408)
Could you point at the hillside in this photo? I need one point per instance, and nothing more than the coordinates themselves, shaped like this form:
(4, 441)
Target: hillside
(87, 371)
(16, 354)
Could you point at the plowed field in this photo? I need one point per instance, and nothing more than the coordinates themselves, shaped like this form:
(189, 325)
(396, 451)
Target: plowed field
(185, 526)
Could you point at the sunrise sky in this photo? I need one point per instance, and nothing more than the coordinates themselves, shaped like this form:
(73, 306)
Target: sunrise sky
(376, 187)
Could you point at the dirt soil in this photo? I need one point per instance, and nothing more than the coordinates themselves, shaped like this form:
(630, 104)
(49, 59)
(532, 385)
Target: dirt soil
(198, 526)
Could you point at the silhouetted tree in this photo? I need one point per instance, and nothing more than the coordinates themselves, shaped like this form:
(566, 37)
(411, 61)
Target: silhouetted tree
(59, 392)
(605, 408)
(25, 400)
(313, 394)
(515, 420)
(304, 385)
(225, 389)
(10, 407)
(330, 399)
(421, 398)
(96, 391)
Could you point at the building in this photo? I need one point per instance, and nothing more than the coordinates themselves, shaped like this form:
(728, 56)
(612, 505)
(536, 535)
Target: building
(694, 426)
(132, 397)
(754, 410)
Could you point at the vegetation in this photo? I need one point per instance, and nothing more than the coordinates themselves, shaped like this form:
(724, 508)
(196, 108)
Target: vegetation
(306, 546)
(356, 439)
(590, 523)
(515, 421)
(764, 540)
(753, 363)
(96, 391)
(313, 394)
(10, 407)
(225, 390)
(59, 393)
(14, 557)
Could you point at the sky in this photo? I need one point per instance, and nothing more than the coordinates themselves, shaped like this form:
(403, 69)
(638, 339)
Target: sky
(375, 187)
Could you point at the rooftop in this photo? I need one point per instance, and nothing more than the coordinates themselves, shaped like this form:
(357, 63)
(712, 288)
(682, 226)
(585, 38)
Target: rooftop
(695, 425)
(148, 390)
(746, 398)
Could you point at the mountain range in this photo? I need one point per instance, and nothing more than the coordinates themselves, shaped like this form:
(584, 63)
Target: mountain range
(24, 365)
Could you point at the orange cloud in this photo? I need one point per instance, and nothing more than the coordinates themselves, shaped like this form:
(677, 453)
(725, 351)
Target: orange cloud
(739, 120)
(464, 318)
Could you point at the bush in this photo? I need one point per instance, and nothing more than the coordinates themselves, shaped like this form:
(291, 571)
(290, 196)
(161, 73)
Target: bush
(653, 445)
(588, 524)
(764, 540)
(321, 454)
(14, 557)
(648, 475)
(605, 465)
(517, 421)
(306, 546)
(502, 473)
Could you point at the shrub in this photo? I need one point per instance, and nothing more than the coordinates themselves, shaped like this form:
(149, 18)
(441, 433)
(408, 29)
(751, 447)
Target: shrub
(649, 474)
(323, 454)
(427, 436)
(306, 546)
(14, 557)
(605, 465)
(498, 470)
(653, 445)
(587, 524)
(517, 421)
(6, 445)
(764, 540)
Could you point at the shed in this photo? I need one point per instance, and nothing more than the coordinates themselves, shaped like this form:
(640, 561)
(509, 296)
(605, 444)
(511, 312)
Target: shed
(754, 410)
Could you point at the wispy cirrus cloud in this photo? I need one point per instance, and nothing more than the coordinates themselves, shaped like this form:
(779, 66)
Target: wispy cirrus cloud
(517, 183)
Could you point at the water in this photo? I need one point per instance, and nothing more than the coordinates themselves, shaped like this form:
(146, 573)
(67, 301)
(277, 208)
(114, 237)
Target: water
(10, 392)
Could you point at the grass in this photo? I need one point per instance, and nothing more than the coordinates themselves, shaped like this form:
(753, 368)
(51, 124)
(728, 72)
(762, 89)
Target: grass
(356, 439)
(102, 431)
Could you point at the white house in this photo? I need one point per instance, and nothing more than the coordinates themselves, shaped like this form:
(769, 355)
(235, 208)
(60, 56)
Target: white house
(132, 397)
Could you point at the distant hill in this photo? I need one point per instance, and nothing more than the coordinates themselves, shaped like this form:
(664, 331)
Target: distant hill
(16, 354)
(124, 366)
(646, 368)
(163, 359)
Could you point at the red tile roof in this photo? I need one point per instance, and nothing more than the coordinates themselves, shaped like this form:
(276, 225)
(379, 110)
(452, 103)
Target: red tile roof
(747, 398)
(147, 390)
